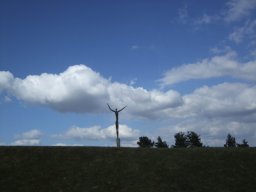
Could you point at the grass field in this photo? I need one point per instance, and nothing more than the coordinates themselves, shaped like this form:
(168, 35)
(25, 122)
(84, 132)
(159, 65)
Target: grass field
(80, 169)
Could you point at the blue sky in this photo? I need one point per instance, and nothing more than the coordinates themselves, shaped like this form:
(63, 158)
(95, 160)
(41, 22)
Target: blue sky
(177, 65)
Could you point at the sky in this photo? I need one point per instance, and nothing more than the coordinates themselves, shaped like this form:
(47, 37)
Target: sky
(178, 65)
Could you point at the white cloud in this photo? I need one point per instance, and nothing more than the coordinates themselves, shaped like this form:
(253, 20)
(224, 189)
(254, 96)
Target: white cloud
(80, 89)
(27, 142)
(98, 133)
(221, 50)
(133, 82)
(217, 66)
(6, 79)
(238, 9)
(28, 138)
(217, 110)
(32, 134)
(222, 101)
(245, 32)
(237, 35)
(85, 133)
(234, 10)
(60, 144)
(143, 103)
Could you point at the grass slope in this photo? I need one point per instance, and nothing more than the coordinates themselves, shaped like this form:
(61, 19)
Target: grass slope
(80, 169)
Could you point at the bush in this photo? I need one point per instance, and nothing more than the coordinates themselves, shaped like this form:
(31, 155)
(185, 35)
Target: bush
(244, 144)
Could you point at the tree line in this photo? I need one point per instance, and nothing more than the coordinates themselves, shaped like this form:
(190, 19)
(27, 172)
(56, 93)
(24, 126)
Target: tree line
(186, 140)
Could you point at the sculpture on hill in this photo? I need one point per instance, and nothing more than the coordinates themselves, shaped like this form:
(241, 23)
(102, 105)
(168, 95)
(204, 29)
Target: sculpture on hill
(116, 111)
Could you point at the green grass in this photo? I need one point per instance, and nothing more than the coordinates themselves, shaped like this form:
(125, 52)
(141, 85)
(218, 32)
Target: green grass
(80, 169)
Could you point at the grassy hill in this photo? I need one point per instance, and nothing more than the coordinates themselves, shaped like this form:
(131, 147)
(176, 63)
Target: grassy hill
(80, 169)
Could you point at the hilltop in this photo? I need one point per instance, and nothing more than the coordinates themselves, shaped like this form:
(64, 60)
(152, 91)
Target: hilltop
(78, 169)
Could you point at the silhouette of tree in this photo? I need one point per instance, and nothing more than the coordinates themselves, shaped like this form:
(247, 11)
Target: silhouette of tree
(145, 142)
(244, 144)
(193, 139)
(160, 143)
(230, 141)
(180, 140)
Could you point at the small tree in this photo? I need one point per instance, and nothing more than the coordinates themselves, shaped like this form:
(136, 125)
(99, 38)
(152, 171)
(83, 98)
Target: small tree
(230, 141)
(193, 139)
(244, 144)
(145, 142)
(160, 143)
(180, 140)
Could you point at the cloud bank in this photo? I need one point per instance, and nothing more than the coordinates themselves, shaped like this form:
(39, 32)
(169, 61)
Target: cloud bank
(219, 101)
(80, 89)
(29, 138)
(212, 111)
(215, 111)
(99, 133)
